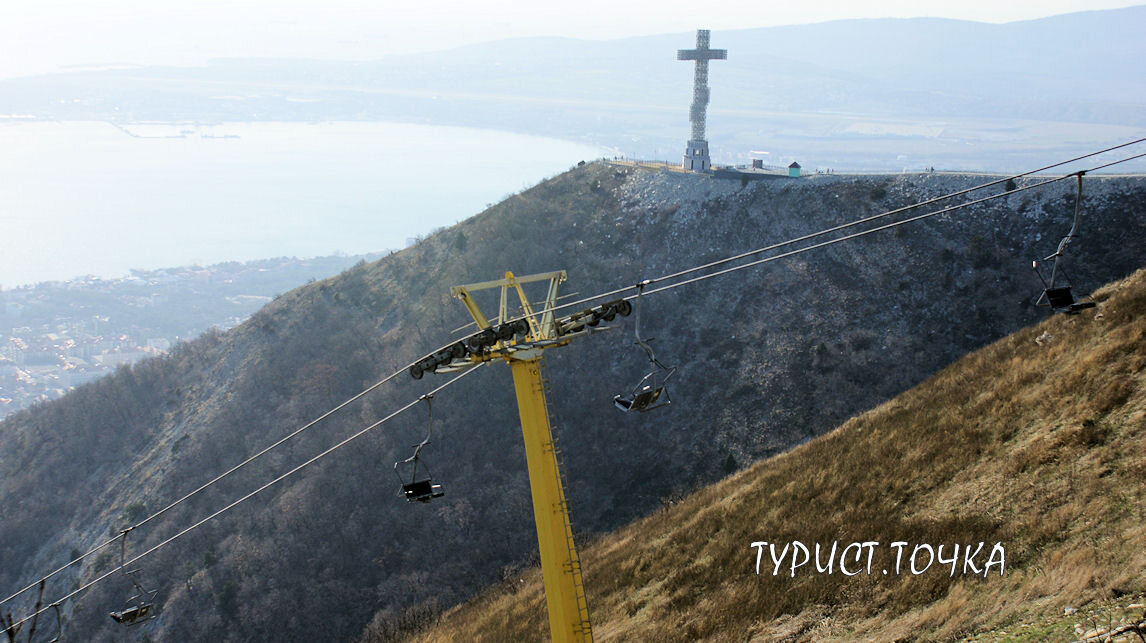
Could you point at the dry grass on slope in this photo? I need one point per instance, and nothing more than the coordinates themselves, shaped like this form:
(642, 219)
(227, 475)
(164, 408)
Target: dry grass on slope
(1035, 442)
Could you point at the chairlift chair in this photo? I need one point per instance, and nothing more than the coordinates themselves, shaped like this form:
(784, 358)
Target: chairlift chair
(1062, 301)
(424, 489)
(650, 392)
(1057, 292)
(141, 606)
(1059, 297)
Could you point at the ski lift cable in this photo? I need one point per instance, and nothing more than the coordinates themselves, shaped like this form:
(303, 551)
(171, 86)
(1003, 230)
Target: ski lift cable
(223, 475)
(243, 499)
(874, 217)
(214, 480)
(877, 229)
(617, 291)
(896, 211)
(867, 220)
(1111, 163)
(268, 449)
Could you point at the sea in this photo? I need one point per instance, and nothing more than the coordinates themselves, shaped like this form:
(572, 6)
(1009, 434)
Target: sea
(99, 198)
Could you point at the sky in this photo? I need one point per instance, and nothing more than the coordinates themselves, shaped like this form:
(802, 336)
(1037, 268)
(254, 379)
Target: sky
(43, 36)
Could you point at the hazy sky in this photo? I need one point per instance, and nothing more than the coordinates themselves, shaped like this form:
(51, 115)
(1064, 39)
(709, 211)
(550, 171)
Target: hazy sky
(39, 36)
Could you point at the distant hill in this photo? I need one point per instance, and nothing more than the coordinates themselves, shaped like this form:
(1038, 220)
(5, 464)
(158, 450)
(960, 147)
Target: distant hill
(859, 94)
(58, 334)
(768, 358)
(1033, 444)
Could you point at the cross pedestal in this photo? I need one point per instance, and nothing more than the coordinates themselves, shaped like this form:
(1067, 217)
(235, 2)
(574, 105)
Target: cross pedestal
(696, 157)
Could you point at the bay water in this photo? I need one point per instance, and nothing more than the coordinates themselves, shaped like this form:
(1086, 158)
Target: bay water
(80, 198)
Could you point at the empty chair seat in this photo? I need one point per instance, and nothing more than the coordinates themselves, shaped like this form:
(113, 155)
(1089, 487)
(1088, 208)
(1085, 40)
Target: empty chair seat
(131, 615)
(1061, 300)
(643, 400)
(647, 397)
(422, 490)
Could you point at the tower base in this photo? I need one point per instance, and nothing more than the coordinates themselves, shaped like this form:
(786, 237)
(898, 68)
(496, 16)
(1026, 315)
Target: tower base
(696, 157)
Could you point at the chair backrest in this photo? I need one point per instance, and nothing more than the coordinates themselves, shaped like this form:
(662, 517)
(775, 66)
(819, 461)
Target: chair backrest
(1059, 298)
(647, 397)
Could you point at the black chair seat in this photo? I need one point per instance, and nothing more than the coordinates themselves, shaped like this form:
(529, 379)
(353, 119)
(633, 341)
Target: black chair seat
(643, 400)
(1060, 298)
(422, 490)
(132, 614)
(647, 397)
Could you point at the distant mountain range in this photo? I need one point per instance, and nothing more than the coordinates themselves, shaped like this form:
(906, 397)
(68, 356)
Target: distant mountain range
(877, 94)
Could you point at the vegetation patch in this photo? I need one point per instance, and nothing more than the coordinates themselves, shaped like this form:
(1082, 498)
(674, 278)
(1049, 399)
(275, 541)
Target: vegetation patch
(1024, 446)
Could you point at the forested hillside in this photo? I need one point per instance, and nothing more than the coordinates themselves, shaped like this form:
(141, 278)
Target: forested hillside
(768, 358)
(1027, 451)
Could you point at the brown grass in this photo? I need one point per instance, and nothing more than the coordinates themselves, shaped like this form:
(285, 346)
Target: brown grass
(1037, 445)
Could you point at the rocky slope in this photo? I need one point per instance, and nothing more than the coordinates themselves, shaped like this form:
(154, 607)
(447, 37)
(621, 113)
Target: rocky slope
(1027, 452)
(768, 358)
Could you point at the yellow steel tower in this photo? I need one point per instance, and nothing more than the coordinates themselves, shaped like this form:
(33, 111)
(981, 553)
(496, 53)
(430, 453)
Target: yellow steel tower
(521, 341)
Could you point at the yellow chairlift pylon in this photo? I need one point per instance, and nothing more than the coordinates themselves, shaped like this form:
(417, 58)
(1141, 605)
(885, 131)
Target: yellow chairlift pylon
(521, 341)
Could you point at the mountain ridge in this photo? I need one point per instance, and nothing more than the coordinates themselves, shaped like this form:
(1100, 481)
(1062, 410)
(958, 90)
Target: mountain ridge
(765, 362)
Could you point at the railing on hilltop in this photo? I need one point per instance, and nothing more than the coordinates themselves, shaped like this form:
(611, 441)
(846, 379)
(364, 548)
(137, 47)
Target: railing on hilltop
(653, 165)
